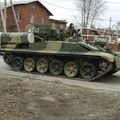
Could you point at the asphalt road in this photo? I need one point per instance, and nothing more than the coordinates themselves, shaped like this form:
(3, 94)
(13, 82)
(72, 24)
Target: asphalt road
(111, 83)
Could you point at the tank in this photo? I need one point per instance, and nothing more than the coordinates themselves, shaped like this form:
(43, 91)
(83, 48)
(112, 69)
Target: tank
(71, 59)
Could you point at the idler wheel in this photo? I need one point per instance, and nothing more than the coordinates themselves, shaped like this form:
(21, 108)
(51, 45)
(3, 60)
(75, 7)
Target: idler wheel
(56, 67)
(29, 64)
(42, 65)
(17, 63)
(71, 69)
(88, 71)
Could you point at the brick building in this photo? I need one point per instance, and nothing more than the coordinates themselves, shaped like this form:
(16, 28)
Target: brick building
(29, 13)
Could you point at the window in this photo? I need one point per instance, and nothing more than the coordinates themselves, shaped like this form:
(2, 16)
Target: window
(32, 19)
(19, 17)
(33, 8)
(42, 20)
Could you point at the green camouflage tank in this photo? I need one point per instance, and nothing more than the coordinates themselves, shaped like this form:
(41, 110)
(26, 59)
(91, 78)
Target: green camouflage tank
(25, 51)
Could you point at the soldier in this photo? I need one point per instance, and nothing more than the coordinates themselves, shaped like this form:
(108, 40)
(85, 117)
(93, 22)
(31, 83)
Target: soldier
(70, 31)
(53, 31)
(61, 32)
(78, 33)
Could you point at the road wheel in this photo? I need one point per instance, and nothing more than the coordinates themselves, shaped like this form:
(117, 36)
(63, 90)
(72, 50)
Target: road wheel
(88, 71)
(71, 69)
(7, 57)
(42, 65)
(17, 63)
(56, 67)
(103, 65)
(29, 64)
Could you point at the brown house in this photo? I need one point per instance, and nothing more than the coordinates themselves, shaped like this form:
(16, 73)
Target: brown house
(26, 13)
(93, 33)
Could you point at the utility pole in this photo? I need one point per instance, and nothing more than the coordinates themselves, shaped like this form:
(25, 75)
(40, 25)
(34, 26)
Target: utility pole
(3, 19)
(118, 27)
(110, 25)
(5, 23)
(13, 10)
(117, 32)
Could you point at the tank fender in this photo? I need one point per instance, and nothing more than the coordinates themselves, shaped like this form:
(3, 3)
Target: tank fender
(107, 56)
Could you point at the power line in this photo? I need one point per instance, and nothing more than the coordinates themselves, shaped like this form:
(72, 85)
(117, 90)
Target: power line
(75, 10)
(58, 6)
(113, 2)
(101, 19)
(117, 3)
(57, 14)
(72, 8)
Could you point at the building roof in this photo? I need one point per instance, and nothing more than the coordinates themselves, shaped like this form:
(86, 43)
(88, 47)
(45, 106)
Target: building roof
(29, 1)
(59, 21)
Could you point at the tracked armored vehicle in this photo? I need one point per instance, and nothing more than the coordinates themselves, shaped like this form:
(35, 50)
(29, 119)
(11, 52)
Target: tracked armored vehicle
(22, 51)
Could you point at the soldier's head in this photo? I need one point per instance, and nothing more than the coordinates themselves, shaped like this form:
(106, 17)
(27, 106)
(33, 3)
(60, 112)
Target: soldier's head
(71, 25)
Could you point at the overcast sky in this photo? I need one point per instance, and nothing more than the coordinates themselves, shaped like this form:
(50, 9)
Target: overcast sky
(112, 10)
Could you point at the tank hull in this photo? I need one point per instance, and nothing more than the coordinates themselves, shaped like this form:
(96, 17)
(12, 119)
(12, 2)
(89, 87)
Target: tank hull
(58, 58)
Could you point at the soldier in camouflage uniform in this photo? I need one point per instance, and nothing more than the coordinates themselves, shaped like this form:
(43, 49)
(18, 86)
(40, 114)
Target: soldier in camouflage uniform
(61, 33)
(53, 32)
(70, 31)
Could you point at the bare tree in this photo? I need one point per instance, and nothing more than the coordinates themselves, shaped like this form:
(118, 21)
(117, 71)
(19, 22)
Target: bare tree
(90, 10)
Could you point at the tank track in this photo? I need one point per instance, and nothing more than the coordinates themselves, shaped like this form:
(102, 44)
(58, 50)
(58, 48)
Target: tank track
(76, 77)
